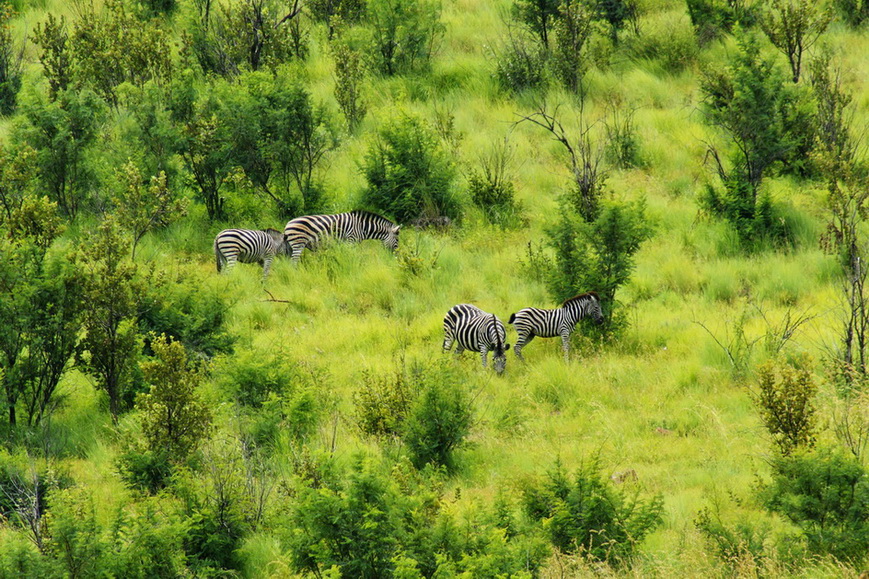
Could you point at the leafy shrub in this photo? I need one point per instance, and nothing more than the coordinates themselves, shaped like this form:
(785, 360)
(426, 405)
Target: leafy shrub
(405, 34)
(827, 496)
(409, 174)
(520, 65)
(715, 18)
(145, 470)
(589, 515)
(785, 401)
(438, 421)
(185, 309)
(598, 255)
(10, 63)
(251, 376)
(349, 83)
(383, 402)
(732, 542)
(670, 42)
(854, 12)
(491, 188)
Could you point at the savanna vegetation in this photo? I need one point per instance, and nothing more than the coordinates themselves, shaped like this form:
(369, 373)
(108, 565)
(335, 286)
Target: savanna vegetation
(700, 164)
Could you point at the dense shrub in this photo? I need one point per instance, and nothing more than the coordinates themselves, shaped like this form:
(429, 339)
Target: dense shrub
(589, 515)
(405, 34)
(383, 402)
(520, 64)
(438, 421)
(408, 172)
(785, 400)
(10, 63)
(827, 495)
(492, 189)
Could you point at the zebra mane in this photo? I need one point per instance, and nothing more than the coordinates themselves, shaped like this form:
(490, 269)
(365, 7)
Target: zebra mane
(271, 230)
(380, 219)
(581, 297)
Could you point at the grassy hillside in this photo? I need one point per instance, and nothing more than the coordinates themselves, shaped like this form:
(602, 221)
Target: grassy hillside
(663, 400)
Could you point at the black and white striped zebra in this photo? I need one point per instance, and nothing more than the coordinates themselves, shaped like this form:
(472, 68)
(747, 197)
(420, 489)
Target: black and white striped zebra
(309, 230)
(473, 329)
(249, 246)
(531, 322)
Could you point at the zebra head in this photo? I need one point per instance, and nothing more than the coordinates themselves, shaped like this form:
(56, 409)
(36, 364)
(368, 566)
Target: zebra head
(279, 240)
(593, 308)
(390, 240)
(499, 353)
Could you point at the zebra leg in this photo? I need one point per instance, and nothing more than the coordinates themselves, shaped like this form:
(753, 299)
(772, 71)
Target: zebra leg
(297, 253)
(267, 264)
(483, 354)
(565, 345)
(522, 341)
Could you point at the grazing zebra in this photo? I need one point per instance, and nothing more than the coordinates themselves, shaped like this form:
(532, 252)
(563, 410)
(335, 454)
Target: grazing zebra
(308, 230)
(476, 330)
(249, 246)
(532, 322)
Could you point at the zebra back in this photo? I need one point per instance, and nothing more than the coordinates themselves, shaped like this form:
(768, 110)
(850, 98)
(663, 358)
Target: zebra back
(247, 246)
(308, 230)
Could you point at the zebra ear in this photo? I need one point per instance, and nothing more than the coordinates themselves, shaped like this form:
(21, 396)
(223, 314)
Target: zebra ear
(396, 229)
(506, 347)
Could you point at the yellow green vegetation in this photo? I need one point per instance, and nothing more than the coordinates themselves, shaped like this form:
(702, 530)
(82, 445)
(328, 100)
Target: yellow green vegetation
(162, 419)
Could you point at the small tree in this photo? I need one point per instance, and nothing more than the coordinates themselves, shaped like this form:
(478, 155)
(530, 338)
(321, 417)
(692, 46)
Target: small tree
(349, 83)
(492, 188)
(589, 516)
(538, 16)
(52, 37)
(409, 175)
(793, 26)
(573, 29)
(11, 58)
(174, 418)
(207, 153)
(785, 400)
(111, 346)
(749, 106)
(140, 209)
(438, 422)
(405, 34)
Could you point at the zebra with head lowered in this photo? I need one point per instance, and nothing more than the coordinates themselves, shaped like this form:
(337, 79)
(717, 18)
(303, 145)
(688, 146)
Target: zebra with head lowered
(473, 329)
(531, 322)
(308, 230)
(249, 246)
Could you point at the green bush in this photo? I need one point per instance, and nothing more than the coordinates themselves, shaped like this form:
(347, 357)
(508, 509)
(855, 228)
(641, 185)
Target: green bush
(144, 470)
(826, 494)
(589, 515)
(251, 377)
(492, 189)
(785, 400)
(383, 402)
(438, 421)
(405, 34)
(520, 65)
(409, 174)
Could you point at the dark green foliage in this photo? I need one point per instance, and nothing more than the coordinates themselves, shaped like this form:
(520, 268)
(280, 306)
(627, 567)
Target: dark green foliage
(405, 34)
(151, 8)
(758, 112)
(573, 29)
(438, 421)
(793, 26)
(409, 174)
(492, 189)
(785, 400)
(538, 16)
(520, 65)
(56, 56)
(827, 496)
(250, 376)
(617, 13)
(383, 402)
(111, 46)
(114, 287)
(189, 311)
(279, 138)
(144, 470)
(715, 18)
(349, 87)
(247, 36)
(854, 12)
(732, 541)
(10, 63)
(63, 132)
(597, 256)
(589, 515)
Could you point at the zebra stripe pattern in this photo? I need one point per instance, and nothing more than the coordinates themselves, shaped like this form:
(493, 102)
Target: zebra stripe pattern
(473, 329)
(248, 246)
(531, 322)
(307, 231)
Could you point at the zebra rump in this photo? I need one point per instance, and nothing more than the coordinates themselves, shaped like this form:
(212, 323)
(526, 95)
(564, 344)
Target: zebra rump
(248, 246)
(473, 329)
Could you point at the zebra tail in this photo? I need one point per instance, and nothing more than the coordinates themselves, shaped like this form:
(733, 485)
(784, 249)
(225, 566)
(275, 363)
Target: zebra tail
(512, 319)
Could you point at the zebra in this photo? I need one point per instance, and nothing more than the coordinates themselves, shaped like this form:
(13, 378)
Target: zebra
(476, 330)
(249, 246)
(308, 230)
(531, 322)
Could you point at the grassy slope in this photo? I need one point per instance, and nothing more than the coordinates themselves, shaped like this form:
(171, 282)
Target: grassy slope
(662, 403)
